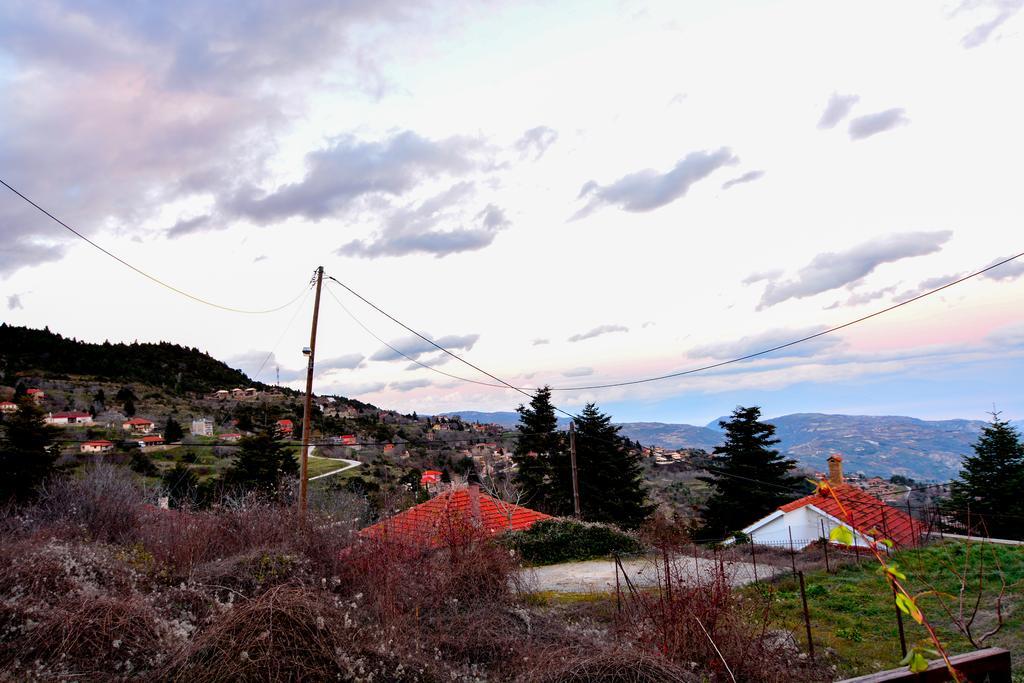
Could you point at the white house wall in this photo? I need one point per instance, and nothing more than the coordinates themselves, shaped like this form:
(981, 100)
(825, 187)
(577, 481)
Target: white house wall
(804, 522)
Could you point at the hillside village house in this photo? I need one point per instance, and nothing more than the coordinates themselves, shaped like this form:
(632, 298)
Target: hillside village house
(70, 418)
(8, 407)
(231, 436)
(285, 428)
(152, 440)
(812, 518)
(97, 446)
(221, 395)
(36, 395)
(202, 427)
(137, 425)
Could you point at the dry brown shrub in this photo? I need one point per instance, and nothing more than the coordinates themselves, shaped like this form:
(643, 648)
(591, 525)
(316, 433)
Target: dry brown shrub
(287, 633)
(104, 503)
(252, 572)
(612, 665)
(703, 620)
(89, 638)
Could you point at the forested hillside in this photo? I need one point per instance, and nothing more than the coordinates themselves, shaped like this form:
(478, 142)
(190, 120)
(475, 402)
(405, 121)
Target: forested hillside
(175, 368)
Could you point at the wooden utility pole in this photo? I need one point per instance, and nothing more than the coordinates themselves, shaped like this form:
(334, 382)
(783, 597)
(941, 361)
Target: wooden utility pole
(575, 479)
(307, 409)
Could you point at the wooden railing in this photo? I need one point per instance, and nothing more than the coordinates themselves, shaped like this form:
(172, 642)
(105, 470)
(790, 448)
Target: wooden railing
(991, 665)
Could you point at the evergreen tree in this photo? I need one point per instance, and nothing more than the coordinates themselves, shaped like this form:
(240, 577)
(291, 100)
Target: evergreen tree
(611, 481)
(99, 399)
(27, 451)
(125, 394)
(20, 390)
(750, 478)
(181, 485)
(538, 445)
(129, 407)
(262, 464)
(988, 493)
(172, 431)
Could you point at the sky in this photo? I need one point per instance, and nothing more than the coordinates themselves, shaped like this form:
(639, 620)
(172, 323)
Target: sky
(564, 194)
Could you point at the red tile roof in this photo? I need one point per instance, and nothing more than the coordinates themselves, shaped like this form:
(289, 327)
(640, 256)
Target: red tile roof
(98, 442)
(138, 421)
(75, 414)
(153, 439)
(430, 523)
(431, 477)
(865, 513)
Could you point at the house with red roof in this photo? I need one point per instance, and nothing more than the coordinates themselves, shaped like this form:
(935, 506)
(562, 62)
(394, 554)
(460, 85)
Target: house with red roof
(430, 477)
(137, 425)
(432, 524)
(97, 446)
(36, 395)
(813, 517)
(151, 440)
(8, 407)
(70, 418)
(285, 428)
(231, 436)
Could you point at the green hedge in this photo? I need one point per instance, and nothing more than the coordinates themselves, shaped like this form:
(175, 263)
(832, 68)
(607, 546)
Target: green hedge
(565, 540)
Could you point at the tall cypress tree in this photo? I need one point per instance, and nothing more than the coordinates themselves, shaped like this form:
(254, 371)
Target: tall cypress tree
(991, 481)
(27, 451)
(750, 478)
(538, 444)
(610, 477)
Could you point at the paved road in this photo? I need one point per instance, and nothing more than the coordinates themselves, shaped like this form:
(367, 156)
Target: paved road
(598, 576)
(349, 464)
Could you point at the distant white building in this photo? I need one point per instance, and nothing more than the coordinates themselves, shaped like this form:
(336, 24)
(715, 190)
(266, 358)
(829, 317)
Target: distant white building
(71, 418)
(202, 427)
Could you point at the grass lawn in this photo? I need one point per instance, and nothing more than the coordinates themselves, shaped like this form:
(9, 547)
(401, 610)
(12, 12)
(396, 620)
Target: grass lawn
(319, 466)
(853, 611)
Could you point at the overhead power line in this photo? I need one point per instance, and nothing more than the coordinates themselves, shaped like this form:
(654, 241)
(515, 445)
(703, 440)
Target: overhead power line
(521, 390)
(801, 340)
(402, 353)
(141, 272)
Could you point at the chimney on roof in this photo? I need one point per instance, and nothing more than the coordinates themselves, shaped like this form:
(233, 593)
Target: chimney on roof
(835, 469)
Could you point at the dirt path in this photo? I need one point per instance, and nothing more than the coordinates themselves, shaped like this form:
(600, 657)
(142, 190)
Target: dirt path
(598, 576)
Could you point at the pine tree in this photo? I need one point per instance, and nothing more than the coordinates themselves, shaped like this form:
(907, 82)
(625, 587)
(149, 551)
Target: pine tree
(172, 431)
(750, 478)
(27, 451)
(610, 476)
(262, 464)
(181, 485)
(988, 492)
(538, 445)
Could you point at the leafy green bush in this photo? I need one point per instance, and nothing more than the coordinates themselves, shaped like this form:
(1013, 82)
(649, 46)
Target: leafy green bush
(565, 540)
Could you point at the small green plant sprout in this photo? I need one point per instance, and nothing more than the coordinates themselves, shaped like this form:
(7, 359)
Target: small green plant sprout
(841, 535)
(916, 660)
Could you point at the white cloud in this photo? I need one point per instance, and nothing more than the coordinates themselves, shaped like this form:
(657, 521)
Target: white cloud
(649, 189)
(833, 270)
(597, 332)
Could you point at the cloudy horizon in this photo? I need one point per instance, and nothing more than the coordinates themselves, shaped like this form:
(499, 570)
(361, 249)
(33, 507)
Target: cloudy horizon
(571, 195)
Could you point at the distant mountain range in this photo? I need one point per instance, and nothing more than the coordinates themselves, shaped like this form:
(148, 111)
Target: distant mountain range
(925, 450)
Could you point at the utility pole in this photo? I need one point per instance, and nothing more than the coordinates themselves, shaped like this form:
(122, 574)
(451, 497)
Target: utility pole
(307, 409)
(575, 479)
